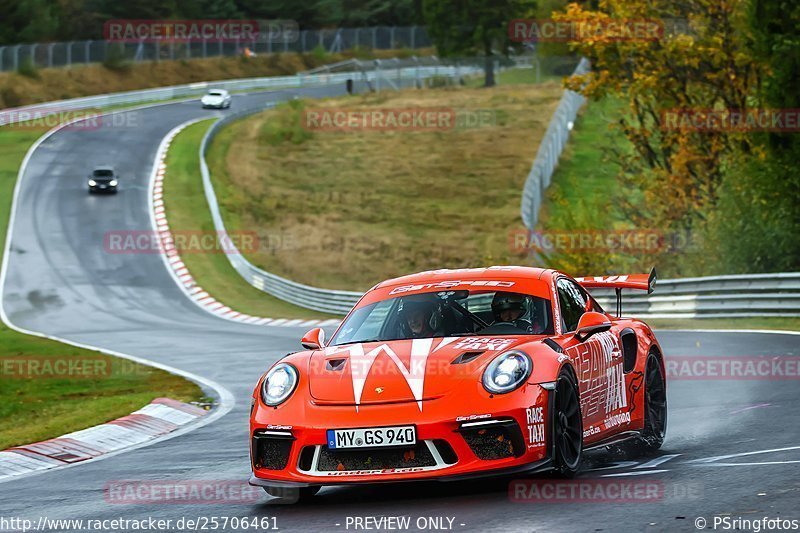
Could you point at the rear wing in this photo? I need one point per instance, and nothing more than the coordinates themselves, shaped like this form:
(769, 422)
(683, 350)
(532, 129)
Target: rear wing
(641, 282)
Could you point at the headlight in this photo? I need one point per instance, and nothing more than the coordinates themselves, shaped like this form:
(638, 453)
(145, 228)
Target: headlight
(92, 183)
(507, 372)
(113, 183)
(279, 384)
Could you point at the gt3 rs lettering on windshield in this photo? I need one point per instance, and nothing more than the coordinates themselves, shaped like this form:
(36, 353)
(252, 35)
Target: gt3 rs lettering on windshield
(451, 285)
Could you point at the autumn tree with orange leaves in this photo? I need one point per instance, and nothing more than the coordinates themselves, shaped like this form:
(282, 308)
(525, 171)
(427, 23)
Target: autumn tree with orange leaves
(698, 63)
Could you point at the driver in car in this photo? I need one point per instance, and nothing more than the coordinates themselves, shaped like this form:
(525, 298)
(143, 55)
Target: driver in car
(419, 318)
(509, 308)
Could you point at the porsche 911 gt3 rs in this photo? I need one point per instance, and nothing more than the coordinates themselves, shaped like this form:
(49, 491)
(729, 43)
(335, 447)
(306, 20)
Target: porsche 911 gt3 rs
(453, 374)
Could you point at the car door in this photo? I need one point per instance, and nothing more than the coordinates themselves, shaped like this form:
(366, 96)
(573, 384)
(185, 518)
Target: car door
(598, 362)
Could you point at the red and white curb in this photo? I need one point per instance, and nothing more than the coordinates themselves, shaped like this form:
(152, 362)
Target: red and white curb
(178, 269)
(160, 417)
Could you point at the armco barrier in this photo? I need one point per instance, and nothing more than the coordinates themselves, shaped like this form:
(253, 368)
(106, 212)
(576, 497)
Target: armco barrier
(325, 300)
(380, 73)
(553, 143)
(747, 295)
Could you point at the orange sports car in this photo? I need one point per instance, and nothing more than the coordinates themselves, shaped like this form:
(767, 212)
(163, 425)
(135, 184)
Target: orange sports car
(455, 374)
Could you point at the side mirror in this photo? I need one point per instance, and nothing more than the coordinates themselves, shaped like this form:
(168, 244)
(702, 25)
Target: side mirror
(591, 323)
(314, 339)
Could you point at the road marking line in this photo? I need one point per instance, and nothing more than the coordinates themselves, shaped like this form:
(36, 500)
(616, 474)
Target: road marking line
(657, 461)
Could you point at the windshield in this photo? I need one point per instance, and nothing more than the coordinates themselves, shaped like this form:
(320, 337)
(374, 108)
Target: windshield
(214, 93)
(103, 173)
(447, 314)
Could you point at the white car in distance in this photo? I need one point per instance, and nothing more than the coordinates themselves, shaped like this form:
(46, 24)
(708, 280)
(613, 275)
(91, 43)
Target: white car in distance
(216, 98)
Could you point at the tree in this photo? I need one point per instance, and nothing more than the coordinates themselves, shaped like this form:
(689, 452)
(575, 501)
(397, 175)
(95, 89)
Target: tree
(692, 69)
(758, 218)
(474, 27)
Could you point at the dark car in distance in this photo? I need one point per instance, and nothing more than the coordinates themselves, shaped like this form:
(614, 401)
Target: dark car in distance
(103, 179)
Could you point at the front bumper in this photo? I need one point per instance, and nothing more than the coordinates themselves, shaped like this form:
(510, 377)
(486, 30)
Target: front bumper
(103, 189)
(514, 441)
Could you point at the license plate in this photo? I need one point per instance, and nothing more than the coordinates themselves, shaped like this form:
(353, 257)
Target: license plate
(339, 439)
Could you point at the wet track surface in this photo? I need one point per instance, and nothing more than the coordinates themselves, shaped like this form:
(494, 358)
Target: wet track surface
(61, 281)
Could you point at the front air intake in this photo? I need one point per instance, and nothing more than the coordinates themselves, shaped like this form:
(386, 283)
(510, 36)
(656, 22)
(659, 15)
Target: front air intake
(271, 449)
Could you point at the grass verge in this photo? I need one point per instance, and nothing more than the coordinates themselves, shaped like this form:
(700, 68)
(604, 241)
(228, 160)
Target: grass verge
(37, 405)
(350, 208)
(188, 213)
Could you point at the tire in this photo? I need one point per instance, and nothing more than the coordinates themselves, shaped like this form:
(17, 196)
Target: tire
(567, 428)
(655, 404)
(292, 495)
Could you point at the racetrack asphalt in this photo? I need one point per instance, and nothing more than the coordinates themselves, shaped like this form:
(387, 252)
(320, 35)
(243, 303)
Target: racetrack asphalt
(62, 281)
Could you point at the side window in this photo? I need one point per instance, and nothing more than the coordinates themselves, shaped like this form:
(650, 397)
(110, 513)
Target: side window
(573, 304)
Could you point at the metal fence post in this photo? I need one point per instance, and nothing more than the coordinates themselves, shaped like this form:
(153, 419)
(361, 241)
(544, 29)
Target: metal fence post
(205, 48)
(391, 38)
(303, 40)
(16, 57)
(32, 53)
(2, 50)
(87, 50)
(69, 53)
(374, 38)
(413, 37)
(50, 55)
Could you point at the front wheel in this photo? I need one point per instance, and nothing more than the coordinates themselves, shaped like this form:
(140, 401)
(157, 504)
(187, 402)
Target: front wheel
(568, 427)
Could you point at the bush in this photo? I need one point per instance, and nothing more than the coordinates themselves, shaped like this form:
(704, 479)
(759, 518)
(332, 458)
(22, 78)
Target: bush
(755, 223)
(116, 59)
(28, 68)
(286, 125)
(319, 53)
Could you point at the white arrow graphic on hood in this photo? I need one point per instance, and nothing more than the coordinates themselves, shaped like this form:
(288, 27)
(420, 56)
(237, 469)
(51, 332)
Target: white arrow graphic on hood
(361, 364)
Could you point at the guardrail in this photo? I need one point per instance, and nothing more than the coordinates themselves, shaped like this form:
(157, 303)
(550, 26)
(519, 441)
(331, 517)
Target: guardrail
(553, 143)
(747, 295)
(66, 54)
(380, 72)
(325, 300)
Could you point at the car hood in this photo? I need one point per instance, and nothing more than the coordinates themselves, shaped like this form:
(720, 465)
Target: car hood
(400, 371)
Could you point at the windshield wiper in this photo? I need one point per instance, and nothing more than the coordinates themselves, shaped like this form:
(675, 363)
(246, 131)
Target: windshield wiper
(358, 342)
